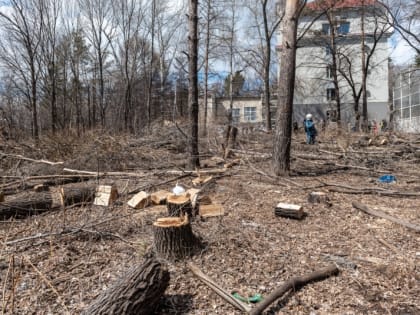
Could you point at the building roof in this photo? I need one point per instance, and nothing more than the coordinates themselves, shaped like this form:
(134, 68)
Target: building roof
(338, 4)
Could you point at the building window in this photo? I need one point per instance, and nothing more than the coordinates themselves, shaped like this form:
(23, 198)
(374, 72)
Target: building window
(250, 113)
(331, 96)
(236, 115)
(329, 72)
(326, 29)
(344, 28)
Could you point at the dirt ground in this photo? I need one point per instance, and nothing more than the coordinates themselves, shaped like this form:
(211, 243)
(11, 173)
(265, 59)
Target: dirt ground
(59, 262)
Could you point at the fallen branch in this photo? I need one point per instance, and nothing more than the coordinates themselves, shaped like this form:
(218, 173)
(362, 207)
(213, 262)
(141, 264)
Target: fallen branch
(69, 170)
(386, 216)
(218, 289)
(294, 284)
(21, 157)
(291, 284)
(388, 193)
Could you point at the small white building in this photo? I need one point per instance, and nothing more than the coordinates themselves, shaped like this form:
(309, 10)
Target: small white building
(314, 89)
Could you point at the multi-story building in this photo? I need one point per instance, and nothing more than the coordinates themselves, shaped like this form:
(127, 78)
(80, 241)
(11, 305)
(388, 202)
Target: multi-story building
(339, 27)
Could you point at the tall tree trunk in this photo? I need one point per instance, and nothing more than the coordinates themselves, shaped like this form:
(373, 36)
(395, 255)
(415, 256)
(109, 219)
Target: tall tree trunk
(206, 67)
(193, 84)
(283, 133)
(267, 61)
(35, 129)
(150, 83)
(333, 44)
(364, 73)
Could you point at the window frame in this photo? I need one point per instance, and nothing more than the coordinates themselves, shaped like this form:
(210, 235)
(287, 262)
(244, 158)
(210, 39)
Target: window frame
(250, 113)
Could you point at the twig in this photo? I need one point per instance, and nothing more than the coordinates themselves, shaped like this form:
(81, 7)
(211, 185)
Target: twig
(47, 282)
(386, 216)
(4, 287)
(218, 289)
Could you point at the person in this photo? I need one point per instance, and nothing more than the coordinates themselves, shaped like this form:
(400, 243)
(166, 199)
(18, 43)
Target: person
(310, 129)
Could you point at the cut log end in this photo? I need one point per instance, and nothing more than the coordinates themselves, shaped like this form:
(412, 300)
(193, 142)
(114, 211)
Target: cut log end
(171, 222)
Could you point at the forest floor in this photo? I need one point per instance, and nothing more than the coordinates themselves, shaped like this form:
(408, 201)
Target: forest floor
(46, 270)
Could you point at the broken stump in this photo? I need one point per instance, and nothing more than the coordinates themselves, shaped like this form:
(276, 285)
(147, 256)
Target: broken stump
(319, 197)
(137, 292)
(173, 238)
(159, 197)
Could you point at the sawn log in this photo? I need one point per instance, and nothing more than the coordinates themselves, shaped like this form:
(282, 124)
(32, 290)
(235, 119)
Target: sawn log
(31, 203)
(137, 292)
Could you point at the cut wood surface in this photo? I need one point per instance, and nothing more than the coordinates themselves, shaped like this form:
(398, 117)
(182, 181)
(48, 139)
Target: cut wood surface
(211, 210)
(159, 197)
(174, 238)
(179, 204)
(31, 203)
(380, 214)
(136, 292)
(105, 195)
(289, 211)
(139, 200)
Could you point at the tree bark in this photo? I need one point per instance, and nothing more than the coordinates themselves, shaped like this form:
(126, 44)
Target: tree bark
(283, 133)
(194, 160)
(137, 292)
(173, 238)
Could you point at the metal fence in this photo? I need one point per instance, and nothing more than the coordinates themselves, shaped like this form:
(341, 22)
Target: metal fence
(407, 101)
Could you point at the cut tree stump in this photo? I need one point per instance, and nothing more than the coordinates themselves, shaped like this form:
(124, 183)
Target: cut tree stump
(179, 204)
(289, 211)
(137, 292)
(319, 197)
(173, 238)
(31, 203)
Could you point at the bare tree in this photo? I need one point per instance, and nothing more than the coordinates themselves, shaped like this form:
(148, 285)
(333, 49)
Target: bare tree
(266, 22)
(99, 27)
(193, 81)
(20, 49)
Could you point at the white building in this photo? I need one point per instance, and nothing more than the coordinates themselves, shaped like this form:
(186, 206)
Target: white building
(315, 91)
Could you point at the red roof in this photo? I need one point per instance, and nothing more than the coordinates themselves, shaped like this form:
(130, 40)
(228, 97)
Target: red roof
(337, 4)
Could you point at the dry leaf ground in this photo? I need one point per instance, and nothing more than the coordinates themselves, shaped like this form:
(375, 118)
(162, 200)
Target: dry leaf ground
(249, 249)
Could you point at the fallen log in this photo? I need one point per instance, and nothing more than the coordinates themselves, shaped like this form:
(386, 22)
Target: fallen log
(386, 216)
(174, 238)
(137, 292)
(21, 206)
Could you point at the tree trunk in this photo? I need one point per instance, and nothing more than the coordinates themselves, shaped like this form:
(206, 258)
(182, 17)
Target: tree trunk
(267, 61)
(35, 203)
(137, 292)
(193, 84)
(283, 133)
(173, 238)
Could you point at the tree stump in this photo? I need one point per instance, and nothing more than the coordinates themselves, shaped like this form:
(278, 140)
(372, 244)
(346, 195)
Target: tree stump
(137, 292)
(319, 197)
(173, 238)
(179, 205)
